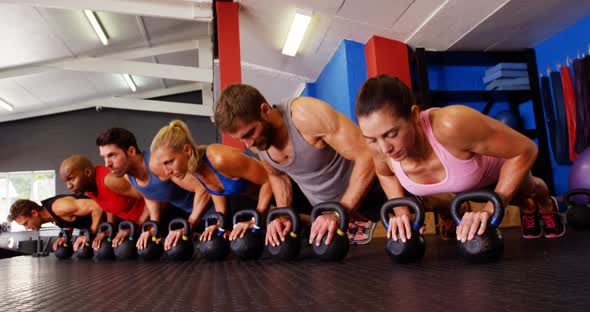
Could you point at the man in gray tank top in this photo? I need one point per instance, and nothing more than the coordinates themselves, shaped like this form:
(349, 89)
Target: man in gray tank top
(306, 140)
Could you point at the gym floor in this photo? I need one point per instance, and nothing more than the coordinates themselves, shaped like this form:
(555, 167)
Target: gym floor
(534, 275)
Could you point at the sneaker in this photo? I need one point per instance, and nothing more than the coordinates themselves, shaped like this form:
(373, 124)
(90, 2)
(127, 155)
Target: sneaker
(447, 228)
(352, 229)
(364, 233)
(530, 225)
(553, 225)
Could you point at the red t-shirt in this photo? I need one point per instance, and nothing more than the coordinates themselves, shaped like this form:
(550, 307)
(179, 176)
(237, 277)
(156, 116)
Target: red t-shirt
(126, 208)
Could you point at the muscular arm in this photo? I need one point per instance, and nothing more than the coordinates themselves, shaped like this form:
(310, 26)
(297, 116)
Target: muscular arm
(233, 163)
(67, 207)
(202, 197)
(464, 130)
(121, 186)
(316, 120)
(280, 185)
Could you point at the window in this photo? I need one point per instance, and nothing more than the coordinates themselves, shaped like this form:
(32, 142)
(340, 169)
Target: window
(33, 185)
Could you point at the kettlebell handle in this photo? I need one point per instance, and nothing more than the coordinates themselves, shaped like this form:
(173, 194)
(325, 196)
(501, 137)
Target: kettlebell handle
(335, 207)
(129, 225)
(296, 223)
(182, 222)
(482, 195)
(66, 234)
(411, 203)
(154, 226)
(252, 213)
(86, 233)
(106, 226)
(568, 196)
(218, 216)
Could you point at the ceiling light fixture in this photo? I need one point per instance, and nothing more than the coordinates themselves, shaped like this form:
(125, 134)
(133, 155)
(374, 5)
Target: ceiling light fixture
(6, 106)
(97, 26)
(297, 32)
(130, 82)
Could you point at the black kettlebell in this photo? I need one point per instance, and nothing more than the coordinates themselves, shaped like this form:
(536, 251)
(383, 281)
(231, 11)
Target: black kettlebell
(86, 251)
(184, 249)
(413, 249)
(105, 252)
(489, 246)
(127, 250)
(578, 215)
(288, 249)
(338, 248)
(251, 246)
(153, 250)
(65, 249)
(217, 248)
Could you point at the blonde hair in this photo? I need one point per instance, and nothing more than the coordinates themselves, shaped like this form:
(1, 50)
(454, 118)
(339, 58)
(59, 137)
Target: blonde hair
(175, 135)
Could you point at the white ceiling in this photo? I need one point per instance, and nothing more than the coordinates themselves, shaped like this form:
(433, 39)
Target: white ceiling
(46, 43)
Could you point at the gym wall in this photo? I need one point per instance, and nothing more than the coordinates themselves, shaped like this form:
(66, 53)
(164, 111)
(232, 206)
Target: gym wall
(553, 51)
(41, 143)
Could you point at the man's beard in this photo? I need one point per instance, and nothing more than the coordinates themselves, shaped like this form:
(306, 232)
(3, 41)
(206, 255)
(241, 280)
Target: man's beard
(266, 137)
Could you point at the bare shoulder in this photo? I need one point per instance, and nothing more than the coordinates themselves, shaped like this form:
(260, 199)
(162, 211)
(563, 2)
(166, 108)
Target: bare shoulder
(313, 116)
(220, 154)
(454, 121)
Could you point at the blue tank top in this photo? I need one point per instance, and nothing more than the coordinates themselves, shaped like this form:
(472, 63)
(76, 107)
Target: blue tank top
(230, 186)
(159, 190)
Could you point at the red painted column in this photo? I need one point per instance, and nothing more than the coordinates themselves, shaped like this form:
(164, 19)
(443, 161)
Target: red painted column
(228, 45)
(386, 56)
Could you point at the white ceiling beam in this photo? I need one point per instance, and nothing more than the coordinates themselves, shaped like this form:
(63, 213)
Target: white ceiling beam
(158, 106)
(118, 103)
(101, 65)
(179, 46)
(189, 87)
(185, 10)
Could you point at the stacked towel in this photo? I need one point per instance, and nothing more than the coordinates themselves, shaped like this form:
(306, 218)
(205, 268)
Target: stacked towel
(507, 76)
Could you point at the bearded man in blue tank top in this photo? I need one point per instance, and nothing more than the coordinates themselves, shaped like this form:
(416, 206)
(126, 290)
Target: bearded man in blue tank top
(320, 149)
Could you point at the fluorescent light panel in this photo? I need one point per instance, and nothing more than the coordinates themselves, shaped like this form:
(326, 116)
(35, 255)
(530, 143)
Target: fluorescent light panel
(6, 106)
(297, 32)
(130, 82)
(97, 26)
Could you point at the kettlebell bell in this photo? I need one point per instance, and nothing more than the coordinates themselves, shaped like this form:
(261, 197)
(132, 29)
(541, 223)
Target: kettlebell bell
(251, 246)
(65, 249)
(338, 247)
(153, 250)
(184, 249)
(578, 215)
(105, 252)
(86, 251)
(217, 248)
(489, 246)
(290, 248)
(127, 250)
(413, 249)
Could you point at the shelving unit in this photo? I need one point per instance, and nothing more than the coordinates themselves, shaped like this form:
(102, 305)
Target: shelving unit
(420, 59)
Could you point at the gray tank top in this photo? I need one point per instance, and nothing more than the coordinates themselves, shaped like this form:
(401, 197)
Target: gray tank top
(322, 174)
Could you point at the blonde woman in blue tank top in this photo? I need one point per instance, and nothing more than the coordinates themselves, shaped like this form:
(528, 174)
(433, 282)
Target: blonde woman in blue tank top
(222, 170)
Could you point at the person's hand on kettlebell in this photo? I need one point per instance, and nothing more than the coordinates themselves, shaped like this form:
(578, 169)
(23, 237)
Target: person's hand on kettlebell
(58, 242)
(240, 229)
(207, 235)
(325, 224)
(472, 223)
(98, 240)
(79, 243)
(400, 227)
(172, 238)
(143, 239)
(276, 230)
(120, 237)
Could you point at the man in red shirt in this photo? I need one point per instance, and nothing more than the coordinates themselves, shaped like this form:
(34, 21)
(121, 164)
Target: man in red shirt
(114, 195)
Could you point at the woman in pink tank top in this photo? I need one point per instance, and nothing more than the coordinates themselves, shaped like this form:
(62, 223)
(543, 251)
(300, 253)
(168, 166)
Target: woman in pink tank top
(449, 150)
